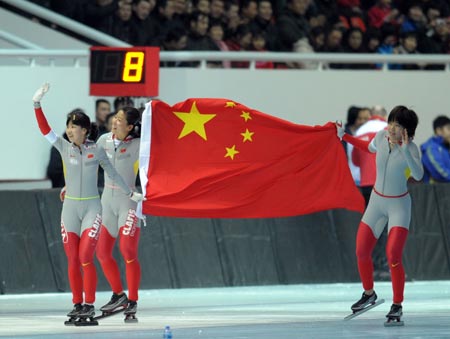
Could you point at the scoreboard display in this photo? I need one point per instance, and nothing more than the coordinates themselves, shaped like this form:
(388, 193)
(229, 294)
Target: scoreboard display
(121, 71)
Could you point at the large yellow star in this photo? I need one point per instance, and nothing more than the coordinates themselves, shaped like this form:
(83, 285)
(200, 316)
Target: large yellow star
(246, 116)
(194, 121)
(231, 152)
(247, 135)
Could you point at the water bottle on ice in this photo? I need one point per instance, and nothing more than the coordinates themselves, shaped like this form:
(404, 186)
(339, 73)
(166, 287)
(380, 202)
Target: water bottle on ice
(167, 333)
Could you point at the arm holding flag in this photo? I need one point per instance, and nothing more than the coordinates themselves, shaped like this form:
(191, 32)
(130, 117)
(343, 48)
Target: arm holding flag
(363, 145)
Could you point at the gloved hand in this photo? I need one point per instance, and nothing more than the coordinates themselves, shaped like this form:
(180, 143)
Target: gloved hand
(135, 196)
(340, 130)
(37, 97)
(62, 194)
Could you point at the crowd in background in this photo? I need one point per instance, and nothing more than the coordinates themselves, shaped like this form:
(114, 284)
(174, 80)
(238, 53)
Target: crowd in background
(330, 26)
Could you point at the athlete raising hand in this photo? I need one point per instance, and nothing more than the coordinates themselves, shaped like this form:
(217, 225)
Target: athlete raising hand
(81, 211)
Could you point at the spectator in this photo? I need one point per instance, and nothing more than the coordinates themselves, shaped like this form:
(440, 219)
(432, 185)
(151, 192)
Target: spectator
(102, 109)
(292, 24)
(122, 26)
(259, 45)
(198, 38)
(173, 38)
(382, 13)
(216, 33)
(241, 41)
(121, 102)
(365, 160)
(145, 27)
(248, 11)
(217, 9)
(356, 117)
(163, 14)
(201, 6)
(353, 43)
(415, 21)
(407, 45)
(317, 38)
(264, 22)
(372, 40)
(436, 152)
(232, 18)
(435, 42)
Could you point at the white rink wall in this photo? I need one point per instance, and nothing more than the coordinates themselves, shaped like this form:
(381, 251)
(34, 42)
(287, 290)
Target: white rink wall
(305, 97)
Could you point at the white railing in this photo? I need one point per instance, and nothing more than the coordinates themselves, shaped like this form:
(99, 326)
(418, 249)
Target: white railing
(321, 59)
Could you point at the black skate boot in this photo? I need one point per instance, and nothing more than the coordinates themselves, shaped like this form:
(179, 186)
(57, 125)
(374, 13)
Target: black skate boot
(130, 312)
(115, 302)
(86, 316)
(365, 301)
(73, 315)
(394, 316)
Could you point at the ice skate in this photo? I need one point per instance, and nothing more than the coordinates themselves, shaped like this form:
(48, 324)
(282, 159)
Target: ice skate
(117, 301)
(73, 314)
(394, 316)
(86, 316)
(364, 304)
(130, 312)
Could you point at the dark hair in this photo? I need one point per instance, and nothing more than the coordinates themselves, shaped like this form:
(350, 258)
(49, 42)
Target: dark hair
(352, 115)
(79, 118)
(122, 101)
(440, 121)
(406, 117)
(133, 117)
(100, 101)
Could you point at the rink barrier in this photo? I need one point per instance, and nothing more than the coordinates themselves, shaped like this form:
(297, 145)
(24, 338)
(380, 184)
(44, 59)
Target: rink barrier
(189, 253)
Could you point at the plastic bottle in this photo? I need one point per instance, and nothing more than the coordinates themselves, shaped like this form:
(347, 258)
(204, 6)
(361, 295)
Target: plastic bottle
(167, 333)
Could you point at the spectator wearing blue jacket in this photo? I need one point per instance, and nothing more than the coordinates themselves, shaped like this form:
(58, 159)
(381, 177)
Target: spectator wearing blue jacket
(436, 152)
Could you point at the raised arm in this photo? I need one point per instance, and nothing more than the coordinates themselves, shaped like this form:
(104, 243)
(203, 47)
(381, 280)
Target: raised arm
(412, 156)
(40, 117)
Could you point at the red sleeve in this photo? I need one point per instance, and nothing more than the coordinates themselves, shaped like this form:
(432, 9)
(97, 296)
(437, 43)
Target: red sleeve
(42, 121)
(361, 144)
(355, 156)
(376, 17)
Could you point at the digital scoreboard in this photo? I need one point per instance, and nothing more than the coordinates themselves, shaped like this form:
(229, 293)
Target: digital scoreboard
(118, 71)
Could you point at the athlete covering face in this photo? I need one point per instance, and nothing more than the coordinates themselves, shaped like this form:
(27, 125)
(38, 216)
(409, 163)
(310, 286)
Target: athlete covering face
(397, 157)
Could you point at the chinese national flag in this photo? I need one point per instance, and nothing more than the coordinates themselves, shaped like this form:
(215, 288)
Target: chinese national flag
(216, 158)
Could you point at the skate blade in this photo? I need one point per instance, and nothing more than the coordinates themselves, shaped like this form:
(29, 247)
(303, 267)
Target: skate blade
(70, 322)
(393, 322)
(130, 319)
(364, 310)
(86, 322)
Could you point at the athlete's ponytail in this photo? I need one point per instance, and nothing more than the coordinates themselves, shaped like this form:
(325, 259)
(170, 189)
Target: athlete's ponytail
(93, 131)
(133, 117)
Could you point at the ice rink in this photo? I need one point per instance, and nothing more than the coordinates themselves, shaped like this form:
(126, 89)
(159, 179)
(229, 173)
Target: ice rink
(292, 311)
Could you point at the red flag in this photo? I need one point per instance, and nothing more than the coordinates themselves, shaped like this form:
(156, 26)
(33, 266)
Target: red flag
(215, 158)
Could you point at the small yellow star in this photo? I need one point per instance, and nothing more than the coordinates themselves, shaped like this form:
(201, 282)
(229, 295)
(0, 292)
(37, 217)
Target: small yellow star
(194, 122)
(247, 135)
(231, 152)
(230, 104)
(246, 116)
